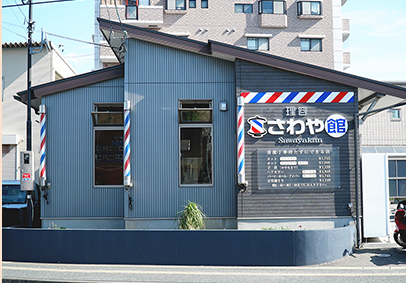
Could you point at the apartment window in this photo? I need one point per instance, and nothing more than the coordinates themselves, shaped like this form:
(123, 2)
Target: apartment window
(192, 3)
(243, 8)
(397, 178)
(395, 115)
(131, 10)
(176, 4)
(195, 143)
(272, 7)
(205, 4)
(143, 2)
(258, 43)
(310, 44)
(108, 131)
(309, 8)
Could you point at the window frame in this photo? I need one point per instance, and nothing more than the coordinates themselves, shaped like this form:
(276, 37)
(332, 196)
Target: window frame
(395, 178)
(206, 6)
(261, 10)
(106, 127)
(191, 125)
(392, 112)
(320, 40)
(243, 5)
(300, 8)
(176, 3)
(258, 39)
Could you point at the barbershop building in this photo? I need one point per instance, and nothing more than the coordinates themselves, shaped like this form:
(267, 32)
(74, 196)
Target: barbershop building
(259, 141)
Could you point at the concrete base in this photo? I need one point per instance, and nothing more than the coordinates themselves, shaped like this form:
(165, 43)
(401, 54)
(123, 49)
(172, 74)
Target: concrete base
(83, 223)
(149, 223)
(305, 223)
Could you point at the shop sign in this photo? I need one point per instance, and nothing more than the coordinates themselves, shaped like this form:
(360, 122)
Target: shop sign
(335, 126)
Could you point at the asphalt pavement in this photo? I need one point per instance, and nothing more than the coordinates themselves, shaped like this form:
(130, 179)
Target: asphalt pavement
(380, 261)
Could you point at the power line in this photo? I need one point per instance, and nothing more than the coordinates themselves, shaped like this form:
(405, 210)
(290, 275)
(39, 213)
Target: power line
(78, 40)
(44, 2)
(20, 10)
(15, 33)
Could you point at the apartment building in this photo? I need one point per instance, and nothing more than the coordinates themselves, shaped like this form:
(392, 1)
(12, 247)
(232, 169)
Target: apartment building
(307, 31)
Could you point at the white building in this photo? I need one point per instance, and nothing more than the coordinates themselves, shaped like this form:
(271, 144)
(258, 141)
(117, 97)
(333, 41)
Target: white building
(48, 65)
(307, 31)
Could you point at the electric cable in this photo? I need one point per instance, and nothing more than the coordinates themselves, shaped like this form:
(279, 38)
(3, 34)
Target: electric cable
(15, 33)
(78, 40)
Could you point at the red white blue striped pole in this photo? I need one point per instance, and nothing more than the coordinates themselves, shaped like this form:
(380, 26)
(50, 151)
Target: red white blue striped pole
(240, 141)
(42, 167)
(127, 151)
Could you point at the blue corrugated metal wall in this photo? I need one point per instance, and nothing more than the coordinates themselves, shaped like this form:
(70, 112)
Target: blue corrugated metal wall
(70, 154)
(156, 78)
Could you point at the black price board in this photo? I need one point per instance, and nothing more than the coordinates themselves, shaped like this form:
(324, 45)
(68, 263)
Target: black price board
(298, 168)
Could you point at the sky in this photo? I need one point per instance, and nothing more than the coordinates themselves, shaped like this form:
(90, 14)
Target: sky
(377, 41)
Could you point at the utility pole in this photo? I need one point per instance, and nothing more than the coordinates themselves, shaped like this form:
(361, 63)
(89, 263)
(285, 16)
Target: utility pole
(30, 204)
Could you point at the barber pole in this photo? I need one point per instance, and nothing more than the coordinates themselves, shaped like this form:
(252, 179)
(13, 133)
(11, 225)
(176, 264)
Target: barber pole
(240, 140)
(127, 167)
(42, 167)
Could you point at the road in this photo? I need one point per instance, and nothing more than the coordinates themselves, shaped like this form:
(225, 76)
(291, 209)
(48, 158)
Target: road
(374, 262)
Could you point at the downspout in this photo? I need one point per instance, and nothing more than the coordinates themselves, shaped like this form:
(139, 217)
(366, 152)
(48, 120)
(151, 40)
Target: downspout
(357, 180)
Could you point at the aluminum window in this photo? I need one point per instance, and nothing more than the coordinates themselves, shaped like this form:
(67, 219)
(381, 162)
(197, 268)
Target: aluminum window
(205, 4)
(311, 44)
(176, 4)
(258, 43)
(243, 8)
(397, 178)
(272, 7)
(309, 8)
(192, 3)
(395, 115)
(108, 132)
(195, 143)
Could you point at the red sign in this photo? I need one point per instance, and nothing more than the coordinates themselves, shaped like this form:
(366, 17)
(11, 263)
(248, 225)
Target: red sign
(26, 176)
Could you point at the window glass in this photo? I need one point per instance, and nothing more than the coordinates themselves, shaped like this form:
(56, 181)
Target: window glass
(108, 157)
(402, 187)
(143, 2)
(196, 145)
(392, 168)
(131, 12)
(266, 7)
(175, 4)
(13, 194)
(279, 7)
(239, 8)
(195, 130)
(395, 114)
(192, 3)
(392, 188)
(310, 44)
(315, 8)
(401, 166)
(247, 8)
(263, 44)
(205, 4)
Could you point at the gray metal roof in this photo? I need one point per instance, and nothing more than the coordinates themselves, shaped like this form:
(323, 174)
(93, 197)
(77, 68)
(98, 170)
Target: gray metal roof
(370, 92)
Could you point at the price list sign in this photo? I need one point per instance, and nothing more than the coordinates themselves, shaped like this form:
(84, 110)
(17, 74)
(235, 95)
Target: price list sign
(298, 168)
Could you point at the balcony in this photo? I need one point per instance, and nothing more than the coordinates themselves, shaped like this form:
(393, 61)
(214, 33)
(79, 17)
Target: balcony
(145, 16)
(346, 29)
(272, 21)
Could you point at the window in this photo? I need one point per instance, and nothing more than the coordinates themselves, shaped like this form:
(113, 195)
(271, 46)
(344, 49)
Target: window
(131, 10)
(258, 43)
(176, 4)
(143, 2)
(309, 8)
(192, 3)
(243, 8)
(195, 142)
(397, 178)
(310, 44)
(108, 121)
(395, 114)
(205, 4)
(272, 7)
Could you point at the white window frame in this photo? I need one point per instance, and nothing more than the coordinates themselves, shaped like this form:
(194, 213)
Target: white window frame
(397, 117)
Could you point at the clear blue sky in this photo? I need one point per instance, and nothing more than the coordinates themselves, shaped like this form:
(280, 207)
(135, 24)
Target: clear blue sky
(377, 42)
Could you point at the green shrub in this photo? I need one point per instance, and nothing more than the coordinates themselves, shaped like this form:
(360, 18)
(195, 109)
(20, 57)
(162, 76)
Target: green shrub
(191, 217)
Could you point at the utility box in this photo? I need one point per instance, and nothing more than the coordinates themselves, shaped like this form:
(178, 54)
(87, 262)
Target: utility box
(27, 170)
